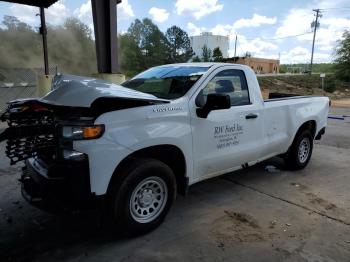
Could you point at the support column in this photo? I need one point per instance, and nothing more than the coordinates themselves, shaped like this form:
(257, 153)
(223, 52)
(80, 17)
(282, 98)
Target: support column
(105, 26)
(43, 32)
(43, 85)
(44, 81)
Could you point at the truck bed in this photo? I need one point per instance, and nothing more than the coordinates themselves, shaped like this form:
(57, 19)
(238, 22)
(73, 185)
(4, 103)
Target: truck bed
(283, 96)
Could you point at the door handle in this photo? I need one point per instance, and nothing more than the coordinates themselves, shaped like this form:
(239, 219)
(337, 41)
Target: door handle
(251, 116)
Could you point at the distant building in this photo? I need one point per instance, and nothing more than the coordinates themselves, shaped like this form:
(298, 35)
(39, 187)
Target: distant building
(211, 41)
(259, 65)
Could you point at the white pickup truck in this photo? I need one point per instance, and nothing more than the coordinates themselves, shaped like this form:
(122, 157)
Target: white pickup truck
(132, 148)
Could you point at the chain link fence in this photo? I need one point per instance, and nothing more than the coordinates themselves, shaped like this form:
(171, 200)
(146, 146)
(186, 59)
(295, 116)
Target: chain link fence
(18, 83)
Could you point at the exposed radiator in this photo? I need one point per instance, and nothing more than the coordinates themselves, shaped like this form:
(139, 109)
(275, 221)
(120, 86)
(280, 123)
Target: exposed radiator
(28, 134)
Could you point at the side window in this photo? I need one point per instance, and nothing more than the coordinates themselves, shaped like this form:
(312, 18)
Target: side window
(230, 82)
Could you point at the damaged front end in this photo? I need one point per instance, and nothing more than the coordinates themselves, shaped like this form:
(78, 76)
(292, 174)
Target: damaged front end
(31, 130)
(35, 135)
(34, 128)
(42, 132)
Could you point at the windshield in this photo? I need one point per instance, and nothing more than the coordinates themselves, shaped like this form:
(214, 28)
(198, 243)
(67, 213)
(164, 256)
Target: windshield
(169, 82)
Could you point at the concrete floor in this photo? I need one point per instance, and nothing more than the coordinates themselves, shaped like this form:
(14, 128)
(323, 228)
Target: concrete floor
(250, 215)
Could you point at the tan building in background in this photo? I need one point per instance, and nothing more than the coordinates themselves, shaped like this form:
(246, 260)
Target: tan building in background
(259, 65)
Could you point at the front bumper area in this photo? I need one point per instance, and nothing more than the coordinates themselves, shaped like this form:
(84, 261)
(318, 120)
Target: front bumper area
(58, 187)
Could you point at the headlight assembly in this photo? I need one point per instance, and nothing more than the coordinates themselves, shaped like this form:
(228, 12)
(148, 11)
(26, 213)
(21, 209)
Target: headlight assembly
(82, 132)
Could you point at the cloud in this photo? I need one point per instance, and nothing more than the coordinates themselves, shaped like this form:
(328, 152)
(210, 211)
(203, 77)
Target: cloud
(194, 30)
(221, 29)
(257, 47)
(197, 8)
(298, 21)
(301, 54)
(231, 29)
(125, 10)
(84, 13)
(159, 15)
(59, 12)
(55, 14)
(255, 21)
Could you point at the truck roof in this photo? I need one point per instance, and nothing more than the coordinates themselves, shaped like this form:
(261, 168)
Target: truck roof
(204, 64)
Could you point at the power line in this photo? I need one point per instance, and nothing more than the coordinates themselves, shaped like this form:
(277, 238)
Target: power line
(334, 8)
(278, 38)
(315, 25)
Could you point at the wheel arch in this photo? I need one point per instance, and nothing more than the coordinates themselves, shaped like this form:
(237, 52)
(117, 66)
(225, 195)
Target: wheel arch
(308, 125)
(169, 154)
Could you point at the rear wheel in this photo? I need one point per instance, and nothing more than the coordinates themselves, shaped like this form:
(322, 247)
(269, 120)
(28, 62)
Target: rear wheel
(144, 197)
(299, 154)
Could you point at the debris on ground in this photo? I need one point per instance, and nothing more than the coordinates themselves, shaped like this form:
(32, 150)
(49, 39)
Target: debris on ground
(244, 218)
(272, 169)
(273, 224)
(221, 245)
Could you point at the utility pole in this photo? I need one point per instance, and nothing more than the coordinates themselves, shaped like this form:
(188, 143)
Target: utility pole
(314, 24)
(235, 47)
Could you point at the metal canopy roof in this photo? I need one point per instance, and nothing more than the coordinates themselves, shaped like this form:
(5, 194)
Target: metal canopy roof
(38, 3)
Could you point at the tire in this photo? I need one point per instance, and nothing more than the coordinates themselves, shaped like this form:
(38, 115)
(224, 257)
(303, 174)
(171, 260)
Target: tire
(299, 154)
(143, 198)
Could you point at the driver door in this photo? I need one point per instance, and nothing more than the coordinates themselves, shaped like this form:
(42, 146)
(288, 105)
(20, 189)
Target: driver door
(227, 138)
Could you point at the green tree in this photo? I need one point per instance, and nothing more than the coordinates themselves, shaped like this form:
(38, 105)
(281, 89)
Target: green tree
(206, 54)
(72, 48)
(180, 49)
(152, 42)
(342, 52)
(130, 55)
(13, 24)
(20, 44)
(196, 59)
(217, 55)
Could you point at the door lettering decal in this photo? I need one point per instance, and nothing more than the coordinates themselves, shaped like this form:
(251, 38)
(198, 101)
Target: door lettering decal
(228, 135)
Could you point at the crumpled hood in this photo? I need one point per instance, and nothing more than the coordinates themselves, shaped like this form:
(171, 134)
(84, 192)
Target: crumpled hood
(77, 91)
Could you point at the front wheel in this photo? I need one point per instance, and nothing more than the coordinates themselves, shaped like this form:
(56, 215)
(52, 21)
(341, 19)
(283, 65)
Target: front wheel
(299, 154)
(144, 197)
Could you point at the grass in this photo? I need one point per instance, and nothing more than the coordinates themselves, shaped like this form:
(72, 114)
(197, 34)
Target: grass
(305, 85)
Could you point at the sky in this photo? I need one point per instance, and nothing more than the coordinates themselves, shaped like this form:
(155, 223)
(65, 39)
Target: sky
(268, 28)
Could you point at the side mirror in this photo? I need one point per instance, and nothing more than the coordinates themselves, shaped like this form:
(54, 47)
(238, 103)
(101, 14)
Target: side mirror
(214, 102)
